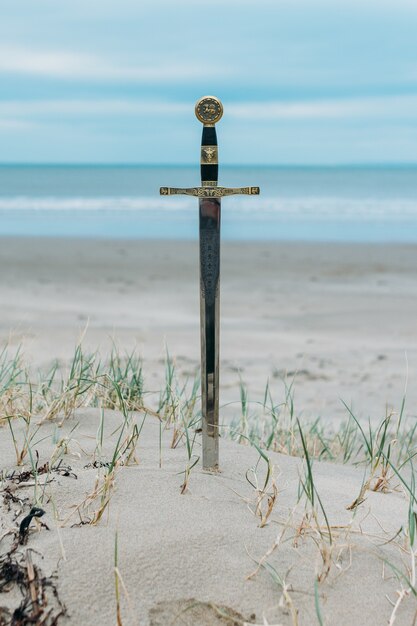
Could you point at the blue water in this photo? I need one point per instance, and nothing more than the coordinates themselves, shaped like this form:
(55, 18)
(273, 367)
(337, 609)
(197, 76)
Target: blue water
(296, 203)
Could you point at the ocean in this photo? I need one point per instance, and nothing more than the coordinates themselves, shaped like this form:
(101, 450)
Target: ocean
(352, 204)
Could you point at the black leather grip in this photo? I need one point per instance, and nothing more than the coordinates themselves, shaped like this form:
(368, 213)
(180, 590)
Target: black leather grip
(209, 158)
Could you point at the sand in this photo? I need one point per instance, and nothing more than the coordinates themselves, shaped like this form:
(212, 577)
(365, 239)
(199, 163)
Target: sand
(198, 549)
(338, 319)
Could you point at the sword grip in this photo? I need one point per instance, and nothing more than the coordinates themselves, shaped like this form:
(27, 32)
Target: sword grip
(209, 163)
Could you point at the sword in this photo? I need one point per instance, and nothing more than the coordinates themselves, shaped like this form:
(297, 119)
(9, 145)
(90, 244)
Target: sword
(209, 110)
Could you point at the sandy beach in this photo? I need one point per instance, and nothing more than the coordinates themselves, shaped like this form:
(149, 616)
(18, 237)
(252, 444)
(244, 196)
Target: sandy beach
(337, 320)
(271, 539)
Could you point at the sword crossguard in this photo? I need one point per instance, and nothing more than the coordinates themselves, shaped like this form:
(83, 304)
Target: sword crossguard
(209, 192)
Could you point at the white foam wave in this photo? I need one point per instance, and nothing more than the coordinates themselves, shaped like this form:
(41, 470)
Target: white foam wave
(292, 208)
(46, 203)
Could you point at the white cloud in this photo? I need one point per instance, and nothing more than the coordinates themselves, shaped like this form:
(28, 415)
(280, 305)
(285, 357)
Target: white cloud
(399, 107)
(70, 65)
(12, 125)
(76, 107)
(335, 108)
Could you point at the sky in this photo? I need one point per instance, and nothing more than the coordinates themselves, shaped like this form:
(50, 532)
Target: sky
(302, 81)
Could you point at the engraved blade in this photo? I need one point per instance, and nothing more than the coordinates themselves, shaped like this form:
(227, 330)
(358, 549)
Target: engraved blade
(209, 219)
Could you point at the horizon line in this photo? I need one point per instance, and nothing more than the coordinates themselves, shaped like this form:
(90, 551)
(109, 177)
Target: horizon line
(354, 164)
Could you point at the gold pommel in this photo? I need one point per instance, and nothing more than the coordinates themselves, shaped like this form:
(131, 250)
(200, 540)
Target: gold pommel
(209, 110)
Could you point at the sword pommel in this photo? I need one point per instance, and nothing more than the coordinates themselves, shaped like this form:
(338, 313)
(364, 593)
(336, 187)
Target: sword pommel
(209, 110)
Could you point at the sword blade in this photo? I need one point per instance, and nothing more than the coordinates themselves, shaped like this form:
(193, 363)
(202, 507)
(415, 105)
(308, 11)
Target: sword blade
(209, 218)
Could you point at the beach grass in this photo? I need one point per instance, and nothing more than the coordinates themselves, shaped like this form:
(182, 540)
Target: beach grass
(384, 452)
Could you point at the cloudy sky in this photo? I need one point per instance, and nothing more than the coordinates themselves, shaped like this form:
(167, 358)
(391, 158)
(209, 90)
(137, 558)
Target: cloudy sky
(115, 81)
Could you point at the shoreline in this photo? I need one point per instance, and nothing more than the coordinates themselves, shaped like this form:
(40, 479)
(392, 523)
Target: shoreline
(245, 242)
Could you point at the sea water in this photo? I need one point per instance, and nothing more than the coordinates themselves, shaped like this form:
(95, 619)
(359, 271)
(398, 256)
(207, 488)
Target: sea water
(352, 204)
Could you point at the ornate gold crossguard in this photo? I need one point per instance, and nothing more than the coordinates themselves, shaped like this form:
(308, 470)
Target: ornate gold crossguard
(209, 192)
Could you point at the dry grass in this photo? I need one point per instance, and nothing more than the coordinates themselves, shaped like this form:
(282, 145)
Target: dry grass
(386, 452)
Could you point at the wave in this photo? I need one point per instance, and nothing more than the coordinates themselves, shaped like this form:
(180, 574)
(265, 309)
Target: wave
(51, 203)
(289, 208)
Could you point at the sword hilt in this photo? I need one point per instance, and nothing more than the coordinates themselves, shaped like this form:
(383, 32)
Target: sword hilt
(209, 160)
(209, 111)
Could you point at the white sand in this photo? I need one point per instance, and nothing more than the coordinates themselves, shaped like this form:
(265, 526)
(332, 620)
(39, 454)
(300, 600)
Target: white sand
(203, 544)
(344, 316)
